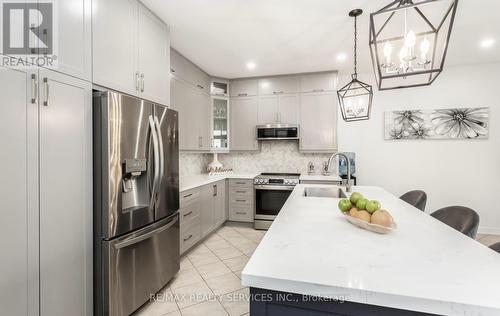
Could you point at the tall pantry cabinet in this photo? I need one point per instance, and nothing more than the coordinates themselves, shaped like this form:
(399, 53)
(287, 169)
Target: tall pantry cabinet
(45, 232)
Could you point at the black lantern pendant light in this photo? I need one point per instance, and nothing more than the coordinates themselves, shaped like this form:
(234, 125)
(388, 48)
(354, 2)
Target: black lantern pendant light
(356, 97)
(418, 32)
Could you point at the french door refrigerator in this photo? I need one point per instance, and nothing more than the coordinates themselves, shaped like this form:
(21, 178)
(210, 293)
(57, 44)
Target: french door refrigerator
(136, 201)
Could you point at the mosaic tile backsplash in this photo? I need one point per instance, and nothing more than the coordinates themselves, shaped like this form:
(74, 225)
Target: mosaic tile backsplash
(274, 156)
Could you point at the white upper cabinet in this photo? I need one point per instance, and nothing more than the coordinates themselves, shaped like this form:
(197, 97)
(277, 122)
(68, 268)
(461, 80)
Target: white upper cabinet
(318, 82)
(278, 85)
(154, 56)
(115, 44)
(289, 109)
(244, 88)
(74, 38)
(178, 64)
(268, 110)
(189, 72)
(130, 47)
(244, 118)
(318, 122)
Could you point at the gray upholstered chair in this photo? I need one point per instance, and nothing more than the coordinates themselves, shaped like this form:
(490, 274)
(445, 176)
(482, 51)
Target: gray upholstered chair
(416, 198)
(462, 218)
(496, 247)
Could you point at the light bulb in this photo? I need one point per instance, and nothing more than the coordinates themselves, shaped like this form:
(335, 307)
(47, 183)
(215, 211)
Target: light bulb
(410, 39)
(424, 46)
(403, 53)
(387, 50)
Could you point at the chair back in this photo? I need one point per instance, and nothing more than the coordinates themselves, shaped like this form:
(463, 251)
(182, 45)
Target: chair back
(416, 198)
(462, 218)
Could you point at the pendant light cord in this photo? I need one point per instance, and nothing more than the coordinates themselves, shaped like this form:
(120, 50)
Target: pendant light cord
(355, 47)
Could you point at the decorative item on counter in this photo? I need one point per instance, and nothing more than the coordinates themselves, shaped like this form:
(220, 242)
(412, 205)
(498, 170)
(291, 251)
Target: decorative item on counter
(311, 168)
(220, 171)
(459, 123)
(343, 164)
(325, 170)
(215, 168)
(366, 214)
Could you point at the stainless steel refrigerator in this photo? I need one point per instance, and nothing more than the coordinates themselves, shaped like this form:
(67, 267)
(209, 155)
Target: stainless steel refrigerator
(136, 201)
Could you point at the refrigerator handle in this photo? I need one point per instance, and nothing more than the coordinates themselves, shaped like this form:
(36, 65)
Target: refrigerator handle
(162, 155)
(156, 155)
(135, 240)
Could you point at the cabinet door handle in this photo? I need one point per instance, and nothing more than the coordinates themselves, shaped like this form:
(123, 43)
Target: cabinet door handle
(215, 190)
(47, 91)
(142, 82)
(241, 213)
(241, 191)
(318, 90)
(34, 89)
(137, 83)
(187, 238)
(200, 86)
(187, 195)
(241, 201)
(172, 70)
(242, 94)
(240, 183)
(188, 213)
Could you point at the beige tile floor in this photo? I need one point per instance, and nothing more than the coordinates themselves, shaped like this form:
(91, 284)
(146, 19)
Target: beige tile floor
(209, 280)
(488, 240)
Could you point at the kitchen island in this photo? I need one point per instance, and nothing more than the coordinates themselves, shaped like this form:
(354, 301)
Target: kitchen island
(313, 262)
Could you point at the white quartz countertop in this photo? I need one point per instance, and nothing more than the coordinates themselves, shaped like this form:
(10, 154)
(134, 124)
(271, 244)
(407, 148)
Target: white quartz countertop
(423, 266)
(320, 177)
(191, 182)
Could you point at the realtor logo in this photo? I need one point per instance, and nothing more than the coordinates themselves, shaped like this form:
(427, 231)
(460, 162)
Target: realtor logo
(28, 33)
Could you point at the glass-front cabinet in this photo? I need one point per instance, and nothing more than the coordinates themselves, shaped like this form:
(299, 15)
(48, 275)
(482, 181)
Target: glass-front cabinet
(220, 124)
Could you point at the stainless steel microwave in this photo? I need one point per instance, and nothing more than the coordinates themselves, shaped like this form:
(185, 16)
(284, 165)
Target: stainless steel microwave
(277, 132)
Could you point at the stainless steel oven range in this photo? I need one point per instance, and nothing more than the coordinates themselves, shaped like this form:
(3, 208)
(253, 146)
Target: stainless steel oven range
(271, 192)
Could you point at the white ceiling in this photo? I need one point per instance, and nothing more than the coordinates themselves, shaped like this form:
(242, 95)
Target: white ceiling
(294, 36)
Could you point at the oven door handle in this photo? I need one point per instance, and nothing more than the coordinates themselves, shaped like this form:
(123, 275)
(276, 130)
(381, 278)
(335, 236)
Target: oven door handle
(274, 187)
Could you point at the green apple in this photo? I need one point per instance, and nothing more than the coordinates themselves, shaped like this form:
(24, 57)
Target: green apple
(355, 197)
(345, 205)
(373, 206)
(361, 204)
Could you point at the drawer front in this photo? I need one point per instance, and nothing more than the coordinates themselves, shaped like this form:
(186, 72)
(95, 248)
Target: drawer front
(248, 183)
(190, 211)
(241, 213)
(189, 197)
(241, 200)
(190, 234)
(241, 191)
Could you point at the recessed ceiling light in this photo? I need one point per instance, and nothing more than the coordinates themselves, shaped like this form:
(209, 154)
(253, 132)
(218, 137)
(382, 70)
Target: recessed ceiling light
(341, 57)
(487, 42)
(251, 65)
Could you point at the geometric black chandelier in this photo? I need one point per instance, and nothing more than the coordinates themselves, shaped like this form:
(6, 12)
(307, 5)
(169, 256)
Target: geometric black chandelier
(356, 97)
(409, 40)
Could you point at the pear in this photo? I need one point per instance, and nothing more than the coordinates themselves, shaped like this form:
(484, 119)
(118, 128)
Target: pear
(382, 218)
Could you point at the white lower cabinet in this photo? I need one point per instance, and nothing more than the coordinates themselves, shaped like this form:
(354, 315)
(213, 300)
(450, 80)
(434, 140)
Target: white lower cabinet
(202, 211)
(46, 234)
(241, 200)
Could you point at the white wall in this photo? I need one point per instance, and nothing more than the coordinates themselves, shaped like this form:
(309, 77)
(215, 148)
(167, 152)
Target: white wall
(454, 172)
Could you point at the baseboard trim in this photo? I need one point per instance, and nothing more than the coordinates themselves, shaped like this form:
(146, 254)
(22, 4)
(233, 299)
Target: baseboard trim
(485, 230)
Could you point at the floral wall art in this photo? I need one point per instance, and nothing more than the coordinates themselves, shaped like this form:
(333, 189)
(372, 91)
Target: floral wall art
(459, 123)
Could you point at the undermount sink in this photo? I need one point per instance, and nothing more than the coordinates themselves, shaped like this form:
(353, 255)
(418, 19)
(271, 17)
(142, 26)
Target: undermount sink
(334, 192)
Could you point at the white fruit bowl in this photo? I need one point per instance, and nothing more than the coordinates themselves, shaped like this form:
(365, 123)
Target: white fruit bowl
(371, 227)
